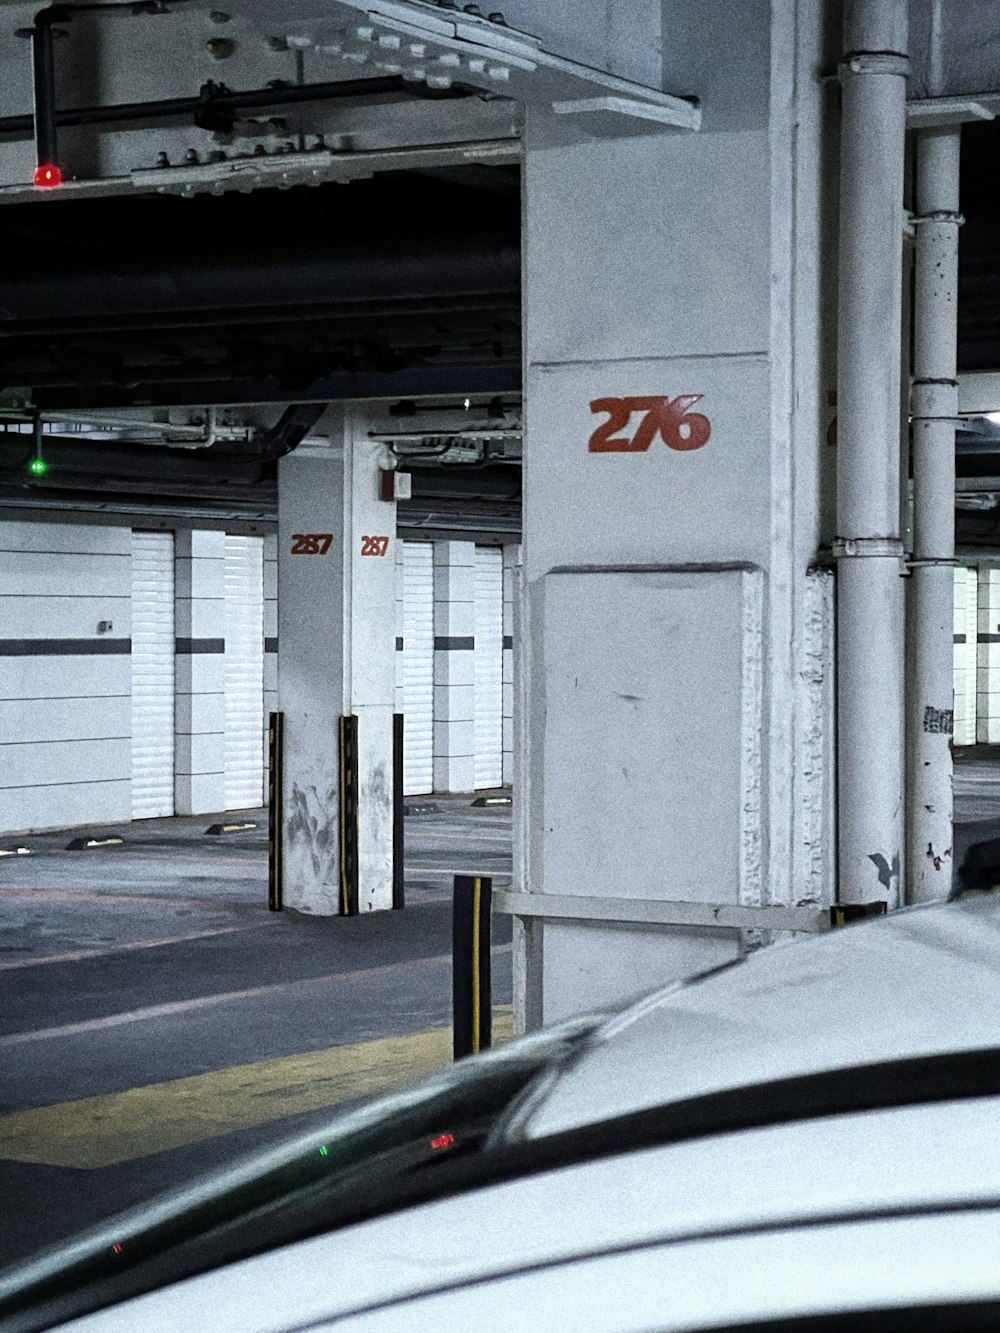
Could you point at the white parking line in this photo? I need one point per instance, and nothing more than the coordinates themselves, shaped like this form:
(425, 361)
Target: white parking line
(122, 948)
(226, 997)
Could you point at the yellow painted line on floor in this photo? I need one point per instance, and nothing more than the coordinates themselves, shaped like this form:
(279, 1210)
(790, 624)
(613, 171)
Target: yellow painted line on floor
(123, 1126)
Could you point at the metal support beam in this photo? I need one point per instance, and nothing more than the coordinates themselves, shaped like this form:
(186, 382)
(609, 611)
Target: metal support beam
(934, 408)
(680, 915)
(869, 549)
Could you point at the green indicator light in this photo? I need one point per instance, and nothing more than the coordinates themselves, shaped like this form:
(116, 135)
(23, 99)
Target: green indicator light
(38, 467)
(324, 1151)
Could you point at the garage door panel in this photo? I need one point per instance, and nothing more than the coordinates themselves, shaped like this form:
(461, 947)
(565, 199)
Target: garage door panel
(415, 665)
(152, 674)
(489, 667)
(244, 672)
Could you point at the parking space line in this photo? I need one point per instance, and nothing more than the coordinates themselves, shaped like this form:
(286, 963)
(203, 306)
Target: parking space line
(123, 1126)
(77, 954)
(175, 1007)
(137, 899)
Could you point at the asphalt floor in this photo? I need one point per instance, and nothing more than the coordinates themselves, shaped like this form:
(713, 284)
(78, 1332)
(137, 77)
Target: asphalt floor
(157, 1021)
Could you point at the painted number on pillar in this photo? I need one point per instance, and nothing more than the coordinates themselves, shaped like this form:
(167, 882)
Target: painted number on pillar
(311, 543)
(670, 418)
(374, 545)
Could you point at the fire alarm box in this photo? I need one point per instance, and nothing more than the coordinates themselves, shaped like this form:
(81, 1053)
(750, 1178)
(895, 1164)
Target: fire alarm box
(396, 485)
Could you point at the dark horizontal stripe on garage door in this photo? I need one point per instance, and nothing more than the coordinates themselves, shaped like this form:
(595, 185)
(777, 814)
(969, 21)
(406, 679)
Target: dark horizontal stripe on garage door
(200, 645)
(64, 647)
(453, 643)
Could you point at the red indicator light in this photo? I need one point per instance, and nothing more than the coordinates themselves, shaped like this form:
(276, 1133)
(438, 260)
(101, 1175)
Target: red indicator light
(442, 1141)
(117, 1247)
(47, 177)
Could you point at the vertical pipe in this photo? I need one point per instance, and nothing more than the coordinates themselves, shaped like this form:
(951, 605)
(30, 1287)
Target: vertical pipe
(934, 406)
(870, 730)
(44, 88)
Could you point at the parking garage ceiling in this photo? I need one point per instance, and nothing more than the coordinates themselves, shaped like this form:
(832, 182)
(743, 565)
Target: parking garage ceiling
(399, 286)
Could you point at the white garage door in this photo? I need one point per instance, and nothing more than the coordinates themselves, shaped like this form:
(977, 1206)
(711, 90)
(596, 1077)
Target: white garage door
(152, 674)
(489, 666)
(415, 666)
(244, 672)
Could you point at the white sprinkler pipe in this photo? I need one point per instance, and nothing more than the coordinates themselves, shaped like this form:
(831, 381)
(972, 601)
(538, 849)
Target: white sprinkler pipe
(868, 549)
(934, 408)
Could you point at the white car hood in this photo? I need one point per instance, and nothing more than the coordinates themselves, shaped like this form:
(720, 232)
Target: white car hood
(921, 982)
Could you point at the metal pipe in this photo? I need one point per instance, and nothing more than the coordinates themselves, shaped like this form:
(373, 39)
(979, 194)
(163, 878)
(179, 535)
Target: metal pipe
(44, 90)
(934, 409)
(172, 108)
(870, 625)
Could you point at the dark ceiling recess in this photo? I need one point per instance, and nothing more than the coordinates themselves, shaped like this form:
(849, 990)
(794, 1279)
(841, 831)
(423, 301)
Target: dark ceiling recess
(369, 289)
(979, 249)
(395, 287)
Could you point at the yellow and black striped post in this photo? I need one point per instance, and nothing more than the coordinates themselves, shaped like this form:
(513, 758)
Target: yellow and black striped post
(398, 882)
(348, 816)
(275, 757)
(472, 1007)
(842, 914)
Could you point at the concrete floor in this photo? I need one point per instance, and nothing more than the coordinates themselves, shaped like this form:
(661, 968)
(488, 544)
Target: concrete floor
(977, 797)
(157, 1020)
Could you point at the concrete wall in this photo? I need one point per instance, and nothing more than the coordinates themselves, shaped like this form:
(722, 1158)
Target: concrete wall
(65, 685)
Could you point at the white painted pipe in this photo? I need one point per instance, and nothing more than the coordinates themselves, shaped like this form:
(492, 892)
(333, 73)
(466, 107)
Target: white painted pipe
(870, 621)
(934, 406)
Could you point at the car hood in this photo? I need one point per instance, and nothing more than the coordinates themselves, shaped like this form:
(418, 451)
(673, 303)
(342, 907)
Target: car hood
(922, 982)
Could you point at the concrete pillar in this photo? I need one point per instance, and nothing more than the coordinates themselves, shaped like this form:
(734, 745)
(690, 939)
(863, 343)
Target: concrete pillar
(511, 598)
(336, 622)
(200, 707)
(675, 635)
(454, 666)
(988, 657)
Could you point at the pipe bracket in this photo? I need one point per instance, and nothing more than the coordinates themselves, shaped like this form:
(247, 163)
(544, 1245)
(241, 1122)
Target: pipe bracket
(861, 548)
(939, 215)
(875, 62)
(934, 400)
(932, 562)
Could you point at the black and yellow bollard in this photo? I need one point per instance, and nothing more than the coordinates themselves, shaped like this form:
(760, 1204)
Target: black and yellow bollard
(842, 914)
(472, 1006)
(349, 816)
(275, 757)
